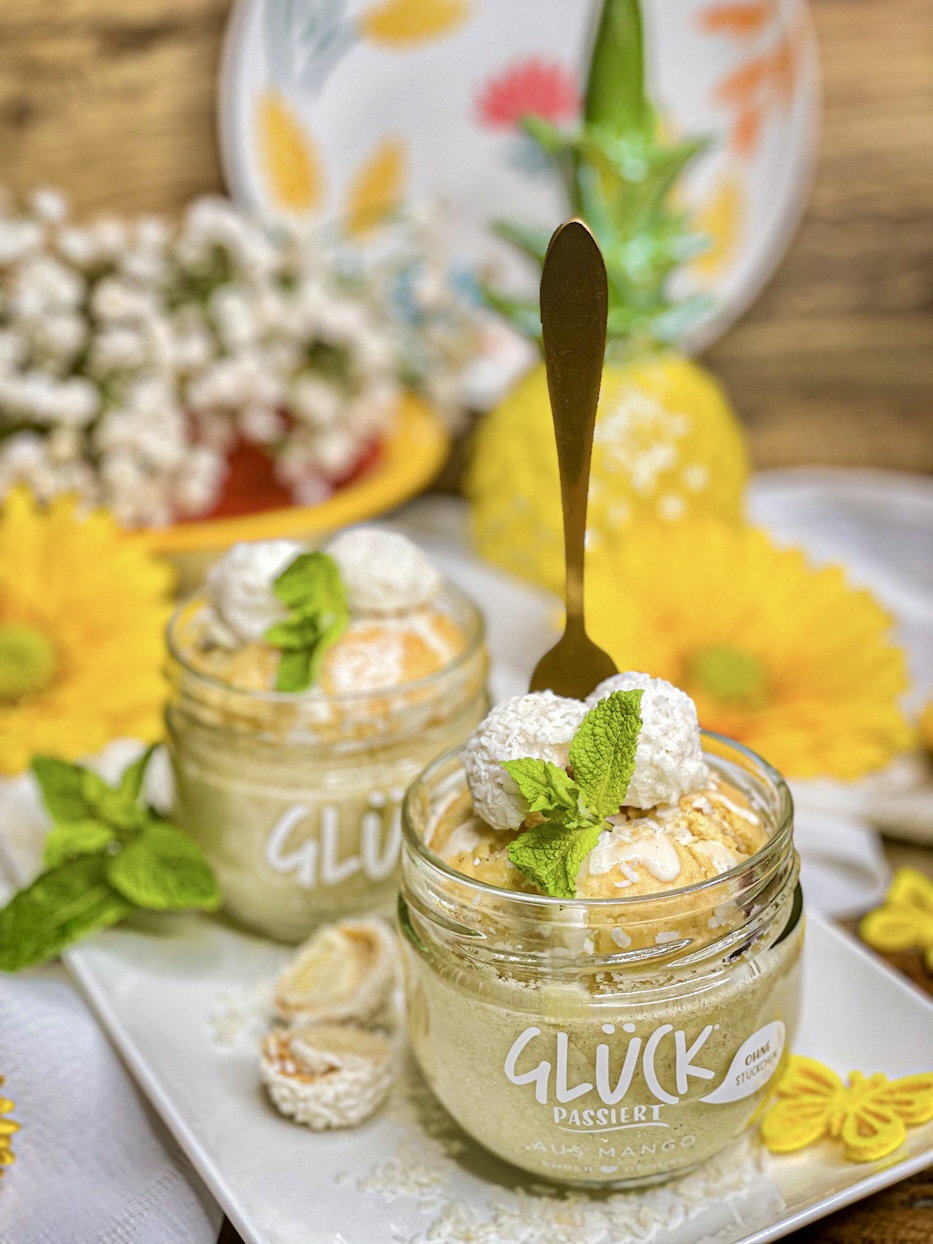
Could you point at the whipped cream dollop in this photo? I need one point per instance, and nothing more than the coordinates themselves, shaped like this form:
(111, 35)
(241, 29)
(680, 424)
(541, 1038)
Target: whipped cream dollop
(240, 589)
(541, 726)
(669, 758)
(383, 572)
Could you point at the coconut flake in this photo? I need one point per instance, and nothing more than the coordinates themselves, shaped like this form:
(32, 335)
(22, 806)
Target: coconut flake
(669, 758)
(383, 572)
(539, 726)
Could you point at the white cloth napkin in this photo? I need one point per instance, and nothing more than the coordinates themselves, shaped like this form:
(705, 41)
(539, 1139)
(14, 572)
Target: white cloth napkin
(94, 1165)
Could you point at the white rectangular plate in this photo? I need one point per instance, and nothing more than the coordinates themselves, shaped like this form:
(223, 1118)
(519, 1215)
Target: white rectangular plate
(408, 1175)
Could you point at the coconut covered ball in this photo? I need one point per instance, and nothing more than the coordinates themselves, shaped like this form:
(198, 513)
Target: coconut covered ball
(540, 726)
(383, 572)
(240, 588)
(668, 760)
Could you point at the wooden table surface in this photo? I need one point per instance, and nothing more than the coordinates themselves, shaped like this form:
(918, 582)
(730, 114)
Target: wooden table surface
(115, 103)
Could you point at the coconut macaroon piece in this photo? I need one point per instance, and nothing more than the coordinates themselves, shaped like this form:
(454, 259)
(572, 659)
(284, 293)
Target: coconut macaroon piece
(344, 973)
(383, 572)
(668, 759)
(327, 1075)
(240, 590)
(540, 725)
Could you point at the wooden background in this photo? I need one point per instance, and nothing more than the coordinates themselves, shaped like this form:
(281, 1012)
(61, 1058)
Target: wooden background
(114, 101)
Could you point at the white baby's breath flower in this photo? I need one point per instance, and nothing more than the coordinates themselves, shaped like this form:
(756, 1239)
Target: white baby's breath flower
(117, 348)
(261, 424)
(18, 238)
(50, 206)
(198, 480)
(116, 299)
(314, 400)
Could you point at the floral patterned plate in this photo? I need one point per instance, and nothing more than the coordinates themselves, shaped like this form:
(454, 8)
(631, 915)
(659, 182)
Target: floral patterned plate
(338, 108)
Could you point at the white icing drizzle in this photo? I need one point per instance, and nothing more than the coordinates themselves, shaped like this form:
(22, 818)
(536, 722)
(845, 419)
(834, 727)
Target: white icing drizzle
(719, 855)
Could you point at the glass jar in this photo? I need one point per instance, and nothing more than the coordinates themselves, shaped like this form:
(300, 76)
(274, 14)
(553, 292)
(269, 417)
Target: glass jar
(296, 799)
(609, 1042)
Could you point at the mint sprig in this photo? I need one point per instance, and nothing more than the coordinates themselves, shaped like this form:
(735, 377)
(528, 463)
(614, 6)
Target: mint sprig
(311, 589)
(106, 855)
(575, 809)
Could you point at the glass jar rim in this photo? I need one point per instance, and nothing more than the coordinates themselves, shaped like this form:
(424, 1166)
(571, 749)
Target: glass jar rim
(774, 846)
(476, 638)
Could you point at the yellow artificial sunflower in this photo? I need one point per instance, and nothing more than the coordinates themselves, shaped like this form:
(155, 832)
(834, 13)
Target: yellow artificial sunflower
(82, 609)
(784, 657)
(8, 1129)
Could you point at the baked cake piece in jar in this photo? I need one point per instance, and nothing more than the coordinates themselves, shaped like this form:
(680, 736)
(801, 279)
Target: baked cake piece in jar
(308, 688)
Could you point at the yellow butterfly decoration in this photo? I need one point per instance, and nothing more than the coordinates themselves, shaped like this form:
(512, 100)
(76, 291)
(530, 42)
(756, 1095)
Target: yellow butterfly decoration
(905, 921)
(8, 1128)
(870, 1114)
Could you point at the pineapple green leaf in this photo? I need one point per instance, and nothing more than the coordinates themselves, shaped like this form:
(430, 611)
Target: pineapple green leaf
(528, 238)
(615, 90)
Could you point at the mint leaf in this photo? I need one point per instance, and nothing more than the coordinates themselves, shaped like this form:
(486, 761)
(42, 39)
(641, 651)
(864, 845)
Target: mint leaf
(312, 580)
(61, 906)
(546, 786)
(294, 672)
(131, 783)
(164, 869)
(313, 591)
(603, 751)
(78, 838)
(62, 786)
(551, 854)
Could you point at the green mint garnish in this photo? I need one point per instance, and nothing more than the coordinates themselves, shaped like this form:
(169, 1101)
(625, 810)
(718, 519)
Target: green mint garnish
(603, 751)
(551, 854)
(105, 855)
(64, 842)
(61, 906)
(575, 809)
(163, 869)
(546, 786)
(311, 589)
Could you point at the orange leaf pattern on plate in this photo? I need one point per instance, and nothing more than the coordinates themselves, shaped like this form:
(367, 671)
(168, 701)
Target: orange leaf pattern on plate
(412, 21)
(905, 920)
(287, 155)
(377, 188)
(767, 77)
(870, 1114)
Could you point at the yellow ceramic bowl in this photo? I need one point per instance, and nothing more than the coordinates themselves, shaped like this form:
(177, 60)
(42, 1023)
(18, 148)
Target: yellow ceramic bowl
(410, 457)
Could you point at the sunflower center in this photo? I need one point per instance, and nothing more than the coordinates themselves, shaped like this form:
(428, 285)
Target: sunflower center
(28, 662)
(729, 674)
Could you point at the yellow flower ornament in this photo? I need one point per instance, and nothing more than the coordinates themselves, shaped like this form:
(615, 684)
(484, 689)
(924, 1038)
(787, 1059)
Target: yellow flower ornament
(905, 921)
(8, 1128)
(870, 1114)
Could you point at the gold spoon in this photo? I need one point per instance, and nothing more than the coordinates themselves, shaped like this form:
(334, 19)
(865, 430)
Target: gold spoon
(574, 300)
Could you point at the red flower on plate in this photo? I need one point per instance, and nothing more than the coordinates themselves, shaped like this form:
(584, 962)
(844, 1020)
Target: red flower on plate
(529, 88)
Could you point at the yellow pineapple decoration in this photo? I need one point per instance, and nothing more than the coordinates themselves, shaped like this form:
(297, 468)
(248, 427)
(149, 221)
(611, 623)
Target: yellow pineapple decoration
(287, 155)
(667, 446)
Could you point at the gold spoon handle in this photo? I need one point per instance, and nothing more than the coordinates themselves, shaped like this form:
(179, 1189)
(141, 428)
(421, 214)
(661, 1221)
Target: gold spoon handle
(574, 305)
